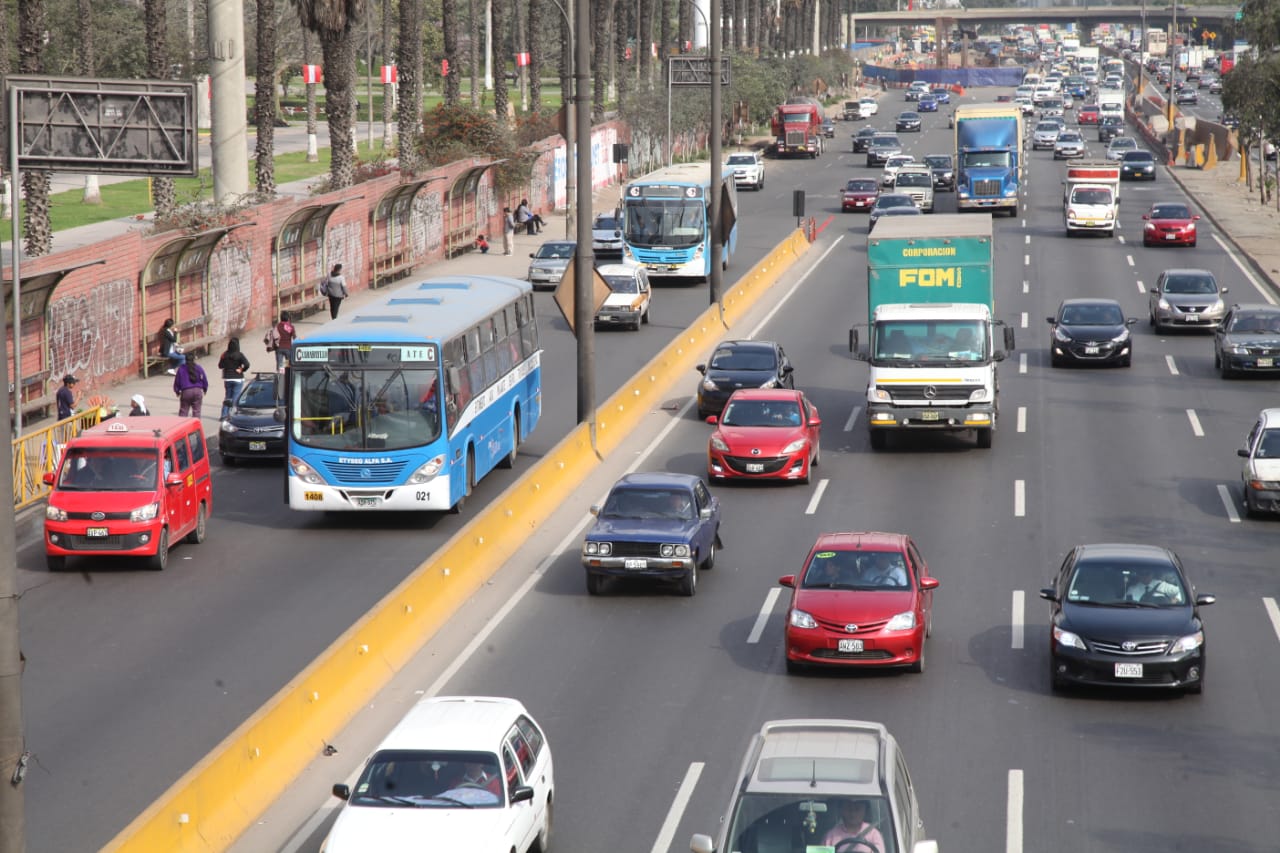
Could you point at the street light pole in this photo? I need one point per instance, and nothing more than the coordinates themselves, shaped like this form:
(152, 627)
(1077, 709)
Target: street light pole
(570, 135)
(716, 39)
(584, 258)
(716, 70)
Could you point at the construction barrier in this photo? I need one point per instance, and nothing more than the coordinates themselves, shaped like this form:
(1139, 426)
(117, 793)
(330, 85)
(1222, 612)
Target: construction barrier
(219, 798)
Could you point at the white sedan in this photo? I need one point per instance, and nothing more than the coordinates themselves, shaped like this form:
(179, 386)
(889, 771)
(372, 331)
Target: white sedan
(891, 167)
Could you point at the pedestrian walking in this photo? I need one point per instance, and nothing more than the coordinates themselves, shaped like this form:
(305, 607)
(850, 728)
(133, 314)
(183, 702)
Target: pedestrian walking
(279, 340)
(233, 364)
(189, 384)
(138, 406)
(66, 397)
(169, 347)
(508, 230)
(334, 287)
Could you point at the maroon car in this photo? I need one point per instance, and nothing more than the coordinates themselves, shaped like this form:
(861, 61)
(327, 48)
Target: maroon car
(1169, 224)
(859, 194)
(1087, 114)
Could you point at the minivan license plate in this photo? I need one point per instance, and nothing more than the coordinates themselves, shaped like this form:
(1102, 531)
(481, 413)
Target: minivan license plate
(257, 445)
(850, 646)
(1128, 670)
(96, 531)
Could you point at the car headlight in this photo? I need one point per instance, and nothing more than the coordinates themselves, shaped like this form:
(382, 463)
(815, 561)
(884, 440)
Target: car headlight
(1059, 335)
(591, 548)
(229, 427)
(708, 384)
(304, 472)
(771, 382)
(1066, 638)
(1189, 643)
(902, 622)
(717, 443)
(145, 513)
(1217, 306)
(1071, 213)
(1162, 304)
(800, 619)
(427, 471)
(682, 550)
(795, 446)
(1121, 338)
(53, 513)
(1150, 226)
(1264, 485)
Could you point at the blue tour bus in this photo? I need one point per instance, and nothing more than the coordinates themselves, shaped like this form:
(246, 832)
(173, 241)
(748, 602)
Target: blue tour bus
(405, 403)
(665, 216)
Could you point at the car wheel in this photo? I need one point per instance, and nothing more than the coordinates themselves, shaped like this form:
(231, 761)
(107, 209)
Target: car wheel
(710, 563)
(157, 561)
(1127, 361)
(1249, 509)
(544, 837)
(509, 461)
(1054, 361)
(55, 562)
(918, 664)
(985, 437)
(196, 536)
(689, 583)
(1192, 244)
(817, 454)
(229, 461)
(595, 584)
(879, 439)
(1056, 684)
(1225, 369)
(644, 318)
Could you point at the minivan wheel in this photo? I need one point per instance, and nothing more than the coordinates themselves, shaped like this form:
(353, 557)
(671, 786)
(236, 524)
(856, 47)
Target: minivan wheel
(55, 562)
(157, 561)
(196, 536)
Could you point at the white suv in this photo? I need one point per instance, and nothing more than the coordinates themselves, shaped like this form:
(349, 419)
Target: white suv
(457, 773)
(822, 785)
(747, 168)
(916, 180)
(1261, 472)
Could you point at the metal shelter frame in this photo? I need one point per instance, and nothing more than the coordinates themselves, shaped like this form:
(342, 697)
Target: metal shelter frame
(303, 227)
(460, 229)
(391, 255)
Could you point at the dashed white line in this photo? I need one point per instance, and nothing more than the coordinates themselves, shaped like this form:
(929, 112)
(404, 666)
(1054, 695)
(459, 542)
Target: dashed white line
(1257, 285)
(1019, 498)
(1026, 287)
(1142, 288)
(1196, 429)
(1229, 502)
(1028, 239)
(1022, 362)
(763, 616)
(1273, 613)
(1173, 368)
(1024, 223)
(669, 826)
(817, 497)
(1120, 239)
(1129, 258)
(853, 417)
(1026, 260)
(1024, 319)
(1016, 621)
(1022, 419)
(1013, 820)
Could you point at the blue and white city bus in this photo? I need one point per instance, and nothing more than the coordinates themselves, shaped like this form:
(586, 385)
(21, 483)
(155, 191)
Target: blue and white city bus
(405, 403)
(665, 216)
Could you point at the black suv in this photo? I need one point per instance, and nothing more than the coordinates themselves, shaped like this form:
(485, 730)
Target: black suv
(1248, 340)
(741, 364)
(1109, 127)
(863, 138)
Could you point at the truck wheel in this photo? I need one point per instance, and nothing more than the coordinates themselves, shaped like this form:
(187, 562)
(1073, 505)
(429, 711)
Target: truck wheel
(879, 439)
(984, 438)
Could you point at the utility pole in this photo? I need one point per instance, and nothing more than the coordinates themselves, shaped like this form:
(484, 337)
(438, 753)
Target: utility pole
(13, 755)
(716, 40)
(584, 260)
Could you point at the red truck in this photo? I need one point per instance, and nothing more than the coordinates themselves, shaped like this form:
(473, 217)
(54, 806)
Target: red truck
(797, 129)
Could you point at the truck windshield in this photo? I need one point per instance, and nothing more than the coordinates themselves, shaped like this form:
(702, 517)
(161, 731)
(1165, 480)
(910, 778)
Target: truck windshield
(985, 159)
(1091, 196)
(932, 341)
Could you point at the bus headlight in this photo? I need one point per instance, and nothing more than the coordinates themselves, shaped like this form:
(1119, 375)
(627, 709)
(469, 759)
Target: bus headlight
(145, 513)
(426, 472)
(304, 472)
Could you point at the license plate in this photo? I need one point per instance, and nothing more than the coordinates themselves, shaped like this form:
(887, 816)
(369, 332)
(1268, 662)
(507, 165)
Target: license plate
(1171, 236)
(1266, 362)
(635, 564)
(1128, 670)
(96, 531)
(257, 445)
(313, 496)
(849, 646)
(606, 318)
(1090, 350)
(1193, 318)
(367, 502)
(929, 416)
(755, 467)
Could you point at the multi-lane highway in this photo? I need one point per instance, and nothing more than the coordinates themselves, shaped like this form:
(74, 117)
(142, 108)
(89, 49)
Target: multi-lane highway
(647, 698)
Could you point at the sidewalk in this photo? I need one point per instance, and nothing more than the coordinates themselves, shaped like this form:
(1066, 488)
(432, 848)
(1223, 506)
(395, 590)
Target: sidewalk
(1238, 216)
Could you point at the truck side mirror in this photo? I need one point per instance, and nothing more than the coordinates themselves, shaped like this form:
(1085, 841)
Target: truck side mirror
(1008, 339)
(853, 340)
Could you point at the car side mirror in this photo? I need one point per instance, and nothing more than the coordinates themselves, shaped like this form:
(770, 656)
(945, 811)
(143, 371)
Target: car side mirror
(1146, 216)
(1224, 290)
(48, 478)
(1155, 290)
(1206, 600)
(595, 509)
(706, 513)
(789, 368)
(521, 794)
(701, 368)
(1243, 453)
(1195, 218)
(1049, 594)
(531, 254)
(788, 581)
(702, 844)
(173, 480)
(929, 583)
(1131, 321)
(1049, 320)
(713, 420)
(815, 422)
(341, 791)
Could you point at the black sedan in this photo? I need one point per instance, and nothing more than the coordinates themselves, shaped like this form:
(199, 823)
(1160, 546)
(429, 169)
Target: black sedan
(1125, 615)
(253, 428)
(1248, 340)
(1109, 127)
(944, 172)
(1138, 166)
(908, 121)
(741, 364)
(653, 525)
(829, 128)
(862, 139)
(892, 204)
(1090, 331)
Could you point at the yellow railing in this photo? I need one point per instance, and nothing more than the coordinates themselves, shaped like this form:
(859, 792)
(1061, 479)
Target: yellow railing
(37, 452)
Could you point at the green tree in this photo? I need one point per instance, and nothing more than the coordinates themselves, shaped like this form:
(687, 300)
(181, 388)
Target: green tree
(163, 194)
(409, 108)
(38, 238)
(334, 23)
(264, 99)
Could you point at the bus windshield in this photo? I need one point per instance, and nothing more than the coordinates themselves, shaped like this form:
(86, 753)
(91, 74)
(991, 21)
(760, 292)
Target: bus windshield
(350, 408)
(661, 222)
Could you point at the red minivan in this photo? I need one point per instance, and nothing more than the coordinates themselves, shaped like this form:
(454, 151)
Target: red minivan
(129, 487)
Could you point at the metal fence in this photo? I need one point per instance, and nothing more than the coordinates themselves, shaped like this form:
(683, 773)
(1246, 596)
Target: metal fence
(38, 452)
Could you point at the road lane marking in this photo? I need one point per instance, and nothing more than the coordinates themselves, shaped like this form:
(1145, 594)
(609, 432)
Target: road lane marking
(817, 497)
(1142, 288)
(1228, 502)
(853, 417)
(1026, 260)
(1026, 287)
(1028, 239)
(1024, 223)
(1196, 429)
(1022, 419)
(1173, 368)
(1013, 828)
(1015, 618)
(763, 616)
(1019, 498)
(801, 280)
(1121, 239)
(1257, 285)
(1129, 258)
(1022, 362)
(1024, 319)
(1273, 613)
(678, 805)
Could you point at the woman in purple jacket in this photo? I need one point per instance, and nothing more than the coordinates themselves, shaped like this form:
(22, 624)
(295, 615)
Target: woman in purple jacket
(190, 383)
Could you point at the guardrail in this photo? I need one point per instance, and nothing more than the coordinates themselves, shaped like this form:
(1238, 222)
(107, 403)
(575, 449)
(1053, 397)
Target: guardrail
(37, 452)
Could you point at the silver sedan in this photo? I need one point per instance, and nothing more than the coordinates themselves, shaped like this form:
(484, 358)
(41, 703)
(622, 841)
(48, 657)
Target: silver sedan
(1070, 144)
(1186, 298)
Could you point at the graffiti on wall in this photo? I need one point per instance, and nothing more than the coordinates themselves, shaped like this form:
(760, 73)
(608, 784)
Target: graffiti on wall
(89, 333)
(426, 224)
(344, 244)
(230, 289)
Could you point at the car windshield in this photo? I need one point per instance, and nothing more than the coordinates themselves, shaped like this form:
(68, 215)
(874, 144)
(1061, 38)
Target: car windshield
(609, 223)
(742, 160)
(761, 413)
(1046, 127)
(429, 780)
(856, 570)
(637, 502)
(1092, 315)
(743, 359)
(914, 179)
(884, 142)
(1123, 142)
(1069, 137)
(938, 161)
(860, 186)
(769, 822)
(1268, 445)
(889, 201)
(1125, 583)
(1190, 283)
(102, 469)
(1170, 211)
(555, 250)
(1091, 196)
(1254, 322)
(1138, 157)
(908, 116)
(897, 162)
(622, 283)
(259, 394)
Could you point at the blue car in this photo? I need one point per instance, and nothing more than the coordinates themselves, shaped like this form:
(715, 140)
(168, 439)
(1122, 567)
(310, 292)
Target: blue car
(928, 104)
(653, 525)
(941, 94)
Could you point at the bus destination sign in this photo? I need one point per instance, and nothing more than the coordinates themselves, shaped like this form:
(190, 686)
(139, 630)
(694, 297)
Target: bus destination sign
(366, 355)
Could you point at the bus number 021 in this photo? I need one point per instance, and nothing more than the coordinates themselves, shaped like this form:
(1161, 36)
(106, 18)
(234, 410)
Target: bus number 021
(422, 496)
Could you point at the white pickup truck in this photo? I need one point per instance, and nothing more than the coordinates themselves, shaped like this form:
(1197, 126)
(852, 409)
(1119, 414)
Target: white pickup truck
(747, 168)
(1091, 200)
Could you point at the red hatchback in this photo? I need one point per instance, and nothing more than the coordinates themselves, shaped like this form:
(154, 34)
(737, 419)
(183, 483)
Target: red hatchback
(1169, 224)
(765, 433)
(1087, 114)
(863, 599)
(859, 194)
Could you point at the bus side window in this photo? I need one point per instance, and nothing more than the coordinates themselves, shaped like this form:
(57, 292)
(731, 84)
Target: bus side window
(505, 361)
(475, 363)
(487, 340)
(528, 327)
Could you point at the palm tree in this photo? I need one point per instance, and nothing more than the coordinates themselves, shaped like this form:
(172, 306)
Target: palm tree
(163, 194)
(409, 109)
(602, 52)
(334, 22)
(264, 100)
(476, 39)
(537, 8)
(35, 215)
(387, 88)
(84, 67)
(499, 28)
(307, 59)
(449, 15)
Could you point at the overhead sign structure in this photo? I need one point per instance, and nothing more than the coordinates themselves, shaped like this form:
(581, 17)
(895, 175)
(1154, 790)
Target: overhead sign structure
(695, 71)
(99, 127)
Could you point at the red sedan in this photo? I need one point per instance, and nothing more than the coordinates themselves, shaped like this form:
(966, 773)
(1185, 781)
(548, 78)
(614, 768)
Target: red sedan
(863, 599)
(1169, 224)
(764, 433)
(1087, 114)
(859, 194)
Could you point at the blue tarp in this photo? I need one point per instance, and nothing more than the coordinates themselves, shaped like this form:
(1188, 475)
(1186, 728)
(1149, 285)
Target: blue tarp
(968, 77)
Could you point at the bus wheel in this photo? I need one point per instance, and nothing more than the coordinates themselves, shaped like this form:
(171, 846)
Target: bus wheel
(509, 460)
(471, 481)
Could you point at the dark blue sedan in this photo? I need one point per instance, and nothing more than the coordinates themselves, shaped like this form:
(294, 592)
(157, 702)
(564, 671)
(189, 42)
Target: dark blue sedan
(653, 525)
(928, 104)
(941, 94)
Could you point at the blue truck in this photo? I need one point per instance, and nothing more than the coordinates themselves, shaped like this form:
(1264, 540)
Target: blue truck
(988, 157)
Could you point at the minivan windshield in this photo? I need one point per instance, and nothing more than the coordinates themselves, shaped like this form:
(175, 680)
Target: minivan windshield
(109, 469)
(768, 821)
